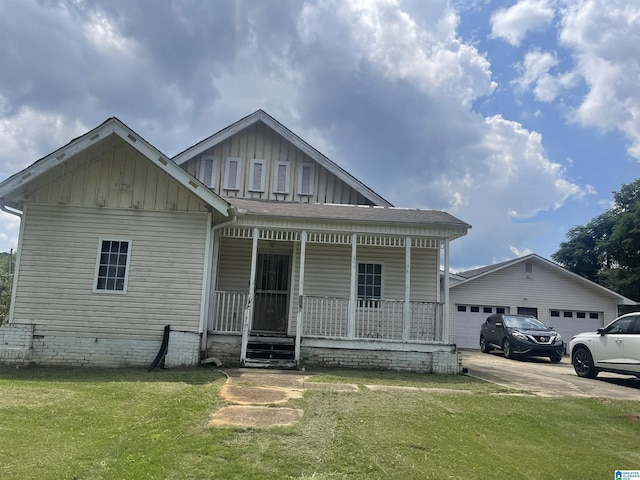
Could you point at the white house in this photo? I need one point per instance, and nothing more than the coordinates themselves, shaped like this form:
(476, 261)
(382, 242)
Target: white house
(529, 285)
(251, 245)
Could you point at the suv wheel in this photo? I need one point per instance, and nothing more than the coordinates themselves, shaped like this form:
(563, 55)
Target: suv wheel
(583, 363)
(484, 346)
(506, 348)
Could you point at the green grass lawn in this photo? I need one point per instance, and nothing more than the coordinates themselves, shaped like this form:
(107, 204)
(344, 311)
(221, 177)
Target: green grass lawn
(66, 424)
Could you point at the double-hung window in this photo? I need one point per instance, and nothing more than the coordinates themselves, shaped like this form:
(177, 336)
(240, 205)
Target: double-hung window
(369, 284)
(112, 266)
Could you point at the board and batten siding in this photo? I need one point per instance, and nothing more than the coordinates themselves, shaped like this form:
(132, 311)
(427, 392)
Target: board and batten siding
(260, 142)
(57, 270)
(545, 289)
(112, 174)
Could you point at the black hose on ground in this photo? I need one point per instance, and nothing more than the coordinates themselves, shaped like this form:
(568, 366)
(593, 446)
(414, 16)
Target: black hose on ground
(163, 349)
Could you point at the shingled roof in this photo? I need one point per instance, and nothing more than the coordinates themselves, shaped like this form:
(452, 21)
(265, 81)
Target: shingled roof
(350, 213)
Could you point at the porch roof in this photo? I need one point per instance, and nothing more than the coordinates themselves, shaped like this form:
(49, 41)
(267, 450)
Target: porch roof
(348, 213)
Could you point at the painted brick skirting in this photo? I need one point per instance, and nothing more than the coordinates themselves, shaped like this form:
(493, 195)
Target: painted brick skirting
(440, 360)
(183, 349)
(15, 343)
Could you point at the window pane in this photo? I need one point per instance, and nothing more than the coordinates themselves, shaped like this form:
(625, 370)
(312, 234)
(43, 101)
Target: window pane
(112, 265)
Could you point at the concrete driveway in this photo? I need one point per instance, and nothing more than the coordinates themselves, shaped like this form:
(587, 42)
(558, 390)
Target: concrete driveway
(543, 378)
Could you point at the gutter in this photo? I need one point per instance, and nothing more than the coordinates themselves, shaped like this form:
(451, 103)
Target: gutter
(9, 210)
(233, 212)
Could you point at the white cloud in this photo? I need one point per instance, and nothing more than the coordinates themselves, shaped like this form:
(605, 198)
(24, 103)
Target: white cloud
(512, 24)
(604, 35)
(30, 134)
(535, 71)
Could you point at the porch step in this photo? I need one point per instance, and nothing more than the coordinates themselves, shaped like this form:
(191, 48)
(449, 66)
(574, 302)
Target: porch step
(274, 352)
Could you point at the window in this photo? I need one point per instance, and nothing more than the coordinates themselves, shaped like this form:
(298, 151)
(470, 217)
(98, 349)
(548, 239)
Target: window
(555, 313)
(462, 308)
(487, 310)
(281, 178)
(369, 284)
(207, 173)
(256, 176)
(594, 316)
(528, 267)
(500, 310)
(475, 309)
(305, 179)
(232, 173)
(567, 314)
(581, 315)
(111, 268)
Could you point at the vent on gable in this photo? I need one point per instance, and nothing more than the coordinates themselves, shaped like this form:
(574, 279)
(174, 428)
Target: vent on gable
(528, 267)
(207, 173)
(256, 175)
(281, 178)
(232, 174)
(305, 179)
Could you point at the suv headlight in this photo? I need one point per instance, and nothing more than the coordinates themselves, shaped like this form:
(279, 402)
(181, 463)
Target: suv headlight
(558, 339)
(519, 336)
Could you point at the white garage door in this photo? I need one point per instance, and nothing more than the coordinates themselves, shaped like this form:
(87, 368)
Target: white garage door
(568, 327)
(467, 324)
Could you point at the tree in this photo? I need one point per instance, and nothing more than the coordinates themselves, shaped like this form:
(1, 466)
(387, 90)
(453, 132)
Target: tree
(607, 249)
(7, 261)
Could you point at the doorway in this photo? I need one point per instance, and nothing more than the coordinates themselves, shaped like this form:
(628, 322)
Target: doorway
(270, 312)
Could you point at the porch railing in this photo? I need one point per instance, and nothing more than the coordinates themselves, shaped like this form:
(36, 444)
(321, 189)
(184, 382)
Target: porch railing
(328, 317)
(229, 308)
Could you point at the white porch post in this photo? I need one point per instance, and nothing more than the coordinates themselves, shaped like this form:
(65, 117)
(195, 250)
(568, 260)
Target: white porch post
(299, 320)
(252, 291)
(351, 325)
(406, 320)
(445, 308)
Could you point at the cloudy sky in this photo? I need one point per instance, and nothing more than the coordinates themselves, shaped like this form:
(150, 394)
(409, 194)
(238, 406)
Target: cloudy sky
(519, 117)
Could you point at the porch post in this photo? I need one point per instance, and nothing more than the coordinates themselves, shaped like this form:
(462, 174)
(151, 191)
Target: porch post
(351, 325)
(445, 308)
(406, 320)
(252, 291)
(299, 320)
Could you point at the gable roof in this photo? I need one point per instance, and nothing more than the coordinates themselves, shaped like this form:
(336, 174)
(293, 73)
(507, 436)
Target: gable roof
(477, 273)
(350, 213)
(12, 185)
(262, 116)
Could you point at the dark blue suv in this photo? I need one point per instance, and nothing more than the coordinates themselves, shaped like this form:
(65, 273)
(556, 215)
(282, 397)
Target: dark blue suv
(520, 335)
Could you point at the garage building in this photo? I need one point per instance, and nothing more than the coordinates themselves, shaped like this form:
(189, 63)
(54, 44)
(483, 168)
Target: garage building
(529, 285)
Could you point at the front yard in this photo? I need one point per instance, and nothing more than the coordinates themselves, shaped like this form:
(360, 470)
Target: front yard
(67, 424)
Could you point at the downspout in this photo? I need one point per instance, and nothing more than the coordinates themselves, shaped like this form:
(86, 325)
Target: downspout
(233, 211)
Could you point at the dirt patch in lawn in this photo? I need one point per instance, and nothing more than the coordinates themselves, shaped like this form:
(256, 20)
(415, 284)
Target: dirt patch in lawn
(251, 416)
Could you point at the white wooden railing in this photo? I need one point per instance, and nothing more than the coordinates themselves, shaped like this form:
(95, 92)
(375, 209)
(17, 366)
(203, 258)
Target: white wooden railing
(328, 317)
(229, 312)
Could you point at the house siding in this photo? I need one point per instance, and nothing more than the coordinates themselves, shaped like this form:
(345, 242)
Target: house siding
(57, 268)
(260, 142)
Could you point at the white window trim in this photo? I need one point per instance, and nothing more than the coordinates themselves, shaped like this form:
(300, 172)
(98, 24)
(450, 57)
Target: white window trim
(382, 270)
(227, 184)
(301, 169)
(252, 187)
(287, 166)
(209, 182)
(127, 270)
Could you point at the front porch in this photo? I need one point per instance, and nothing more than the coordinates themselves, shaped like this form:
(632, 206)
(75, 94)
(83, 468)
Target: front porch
(393, 316)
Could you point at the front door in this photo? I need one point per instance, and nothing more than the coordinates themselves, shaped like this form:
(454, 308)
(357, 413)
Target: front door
(270, 311)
